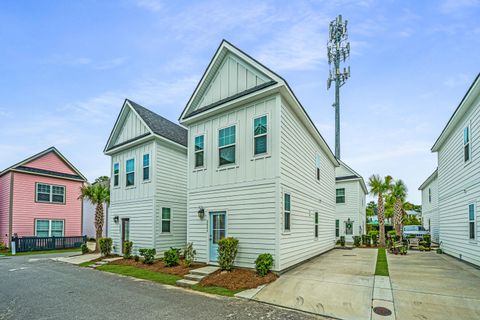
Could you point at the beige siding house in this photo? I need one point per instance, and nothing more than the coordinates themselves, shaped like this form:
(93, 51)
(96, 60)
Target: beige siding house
(430, 217)
(258, 169)
(458, 150)
(148, 180)
(350, 199)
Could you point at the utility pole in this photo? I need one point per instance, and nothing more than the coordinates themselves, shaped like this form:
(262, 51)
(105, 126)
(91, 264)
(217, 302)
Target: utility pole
(338, 50)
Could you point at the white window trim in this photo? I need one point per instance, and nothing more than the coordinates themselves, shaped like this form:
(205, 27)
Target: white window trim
(469, 144)
(227, 145)
(266, 153)
(337, 228)
(51, 193)
(118, 174)
(287, 231)
(50, 226)
(170, 220)
(429, 195)
(344, 196)
(474, 239)
(204, 147)
(143, 168)
(134, 175)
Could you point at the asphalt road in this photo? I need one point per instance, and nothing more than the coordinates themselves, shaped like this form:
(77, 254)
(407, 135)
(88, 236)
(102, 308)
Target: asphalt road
(35, 287)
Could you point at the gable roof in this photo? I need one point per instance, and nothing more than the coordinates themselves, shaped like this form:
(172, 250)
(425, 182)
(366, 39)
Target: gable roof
(275, 81)
(156, 124)
(353, 176)
(457, 115)
(429, 179)
(22, 167)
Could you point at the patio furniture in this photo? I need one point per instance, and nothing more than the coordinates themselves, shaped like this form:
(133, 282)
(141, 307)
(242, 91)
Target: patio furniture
(413, 243)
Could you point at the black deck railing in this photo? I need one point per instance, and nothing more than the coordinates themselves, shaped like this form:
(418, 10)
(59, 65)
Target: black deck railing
(25, 244)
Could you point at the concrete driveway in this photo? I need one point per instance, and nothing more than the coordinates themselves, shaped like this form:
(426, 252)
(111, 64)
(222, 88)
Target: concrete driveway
(336, 284)
(434, 286)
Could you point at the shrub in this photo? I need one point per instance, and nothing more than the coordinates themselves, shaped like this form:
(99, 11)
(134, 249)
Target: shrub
(357, 240)
(2, 246)
(374, 236)
(105, 246)
(136, 258)
(427, 238)
(264, 264)
(171, 257)
(189, 254)
(439, 251)
(84, 248)
(367, 239)
(148, 255)
(227, 251)
(127, 249)
(342, 241)
(364, 239)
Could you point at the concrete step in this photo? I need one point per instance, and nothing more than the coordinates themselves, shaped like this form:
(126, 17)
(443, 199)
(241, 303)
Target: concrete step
(186, 283)
(194, 277)
(112, 259)
(205, 271)
(101, 263)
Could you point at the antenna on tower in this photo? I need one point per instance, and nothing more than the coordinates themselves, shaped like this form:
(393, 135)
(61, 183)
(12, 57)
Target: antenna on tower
(338, 50)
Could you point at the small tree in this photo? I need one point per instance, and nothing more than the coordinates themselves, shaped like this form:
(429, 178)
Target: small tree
(127, 249)
(227, 252)
(189, 254)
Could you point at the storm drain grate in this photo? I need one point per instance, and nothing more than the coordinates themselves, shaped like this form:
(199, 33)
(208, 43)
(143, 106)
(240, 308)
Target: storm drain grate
(382, 311)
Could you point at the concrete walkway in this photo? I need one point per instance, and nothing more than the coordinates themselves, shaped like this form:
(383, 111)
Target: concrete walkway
(337, 284)
(78, 259)
(427, 285)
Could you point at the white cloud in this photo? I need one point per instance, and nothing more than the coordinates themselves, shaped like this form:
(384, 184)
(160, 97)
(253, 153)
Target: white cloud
(151, 5)
(456, 6)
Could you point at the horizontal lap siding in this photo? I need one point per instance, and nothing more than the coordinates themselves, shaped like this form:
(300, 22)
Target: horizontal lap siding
(459, 185)
(52, 162)
(352, 208)
(250, 211)
(430, 209)
(298, 177)
(4, 207)
(26, 210)
(140, 213)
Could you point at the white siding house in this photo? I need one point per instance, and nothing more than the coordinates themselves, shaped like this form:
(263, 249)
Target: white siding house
(148, 197)
(258, 169)
(430, 217)
(350, 213)
(458, 150)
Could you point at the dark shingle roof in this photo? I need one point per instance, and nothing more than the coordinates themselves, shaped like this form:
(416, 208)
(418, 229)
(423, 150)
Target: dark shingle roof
(48, 172)
(161, 126)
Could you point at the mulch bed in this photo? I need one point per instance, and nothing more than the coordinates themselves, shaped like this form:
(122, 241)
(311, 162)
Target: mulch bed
(159, 266)
(237, 279)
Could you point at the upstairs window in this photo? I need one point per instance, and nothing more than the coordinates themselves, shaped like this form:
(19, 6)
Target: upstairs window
(316, 224)
(286, 212)
(466, 144)
(226, 146)
(166, 219)
(146, 167)
(116, 174)
(199, 151)
(337, 228)
(130, 172)
(50, 193)
(471, 221)
(260, 135)
(317, 164)
(429, 195)
(340, 195)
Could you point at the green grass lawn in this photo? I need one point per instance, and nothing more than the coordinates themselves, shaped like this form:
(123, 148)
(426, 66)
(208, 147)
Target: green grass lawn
(140, 273)
(8, 253)
(382, 264)
(216, 290)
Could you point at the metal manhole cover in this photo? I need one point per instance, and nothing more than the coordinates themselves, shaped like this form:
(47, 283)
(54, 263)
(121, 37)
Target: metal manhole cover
(382, 311)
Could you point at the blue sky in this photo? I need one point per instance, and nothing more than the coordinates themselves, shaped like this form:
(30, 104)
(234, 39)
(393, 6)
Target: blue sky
(67, 67)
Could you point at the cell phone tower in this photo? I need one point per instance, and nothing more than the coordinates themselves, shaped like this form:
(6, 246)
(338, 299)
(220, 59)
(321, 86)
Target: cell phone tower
(338, 50)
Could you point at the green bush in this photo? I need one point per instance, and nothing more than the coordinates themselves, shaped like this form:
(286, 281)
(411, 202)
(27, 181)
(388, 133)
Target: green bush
(136, 258)
(84, 248)
(227, 252)
(364, 239)
(368, 240)
(127, 249)
(357, 241)
(148, 255)
(2, 246)
(427, 238)
(264, 264)
(439, 251)
(342, 241)
(374, 236)
(421, 248)
(105, 246)
(189, 254)
(171, 257)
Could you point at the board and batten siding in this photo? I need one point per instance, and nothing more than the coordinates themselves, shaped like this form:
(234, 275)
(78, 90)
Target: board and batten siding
(298, 152)
(459, 186)
(430, 216)
(352, 208)
(5, 208)
(132, 127)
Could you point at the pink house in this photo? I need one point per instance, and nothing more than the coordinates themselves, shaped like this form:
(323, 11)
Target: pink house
(39, 197)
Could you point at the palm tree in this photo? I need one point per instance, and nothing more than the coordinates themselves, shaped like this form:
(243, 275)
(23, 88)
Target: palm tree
(399, 193)
(98, 194)
(378, 187)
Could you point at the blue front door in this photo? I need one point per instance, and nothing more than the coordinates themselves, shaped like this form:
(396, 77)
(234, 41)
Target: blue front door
(217, 232)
